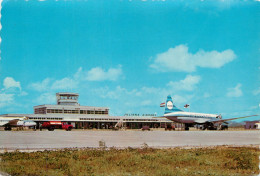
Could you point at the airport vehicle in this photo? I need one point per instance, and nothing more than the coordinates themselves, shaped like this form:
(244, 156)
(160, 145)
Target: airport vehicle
(145, 128)
(169, 127)
(51, 125)
(119, 125)
(9, 122)
(208, 121)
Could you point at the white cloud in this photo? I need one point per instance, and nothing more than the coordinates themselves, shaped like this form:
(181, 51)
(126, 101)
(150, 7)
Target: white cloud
(46, 98)
(65, 83)
(41, 86)
(23, 93)
(9, 82)
(6, 99)
(188, 84)
(179, 59)
(95, 74)
(68, 82)
(235, 92)
(213, 59)
(145, 96)
(140, 100)
(47, 84)
(11, 89)
(151, 90)
(181, 99)
(79, 75)
(98, 74)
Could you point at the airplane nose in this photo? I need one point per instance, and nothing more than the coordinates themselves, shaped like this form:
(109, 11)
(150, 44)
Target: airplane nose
(30, 124)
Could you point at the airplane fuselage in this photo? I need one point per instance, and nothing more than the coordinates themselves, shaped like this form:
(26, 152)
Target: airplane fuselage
(191, 117)
(5, 120)
(26, 123)
(16, 121)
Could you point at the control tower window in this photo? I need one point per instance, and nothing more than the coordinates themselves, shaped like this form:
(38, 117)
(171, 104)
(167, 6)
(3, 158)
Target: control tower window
(67, 98)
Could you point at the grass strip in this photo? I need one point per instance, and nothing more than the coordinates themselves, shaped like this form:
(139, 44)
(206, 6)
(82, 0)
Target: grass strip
(143, 161)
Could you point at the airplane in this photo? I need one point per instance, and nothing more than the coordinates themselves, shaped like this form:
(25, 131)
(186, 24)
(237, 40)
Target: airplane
(9, 122)
(208, 121)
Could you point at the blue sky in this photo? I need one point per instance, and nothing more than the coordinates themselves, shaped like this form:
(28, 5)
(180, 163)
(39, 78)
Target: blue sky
(129, 55)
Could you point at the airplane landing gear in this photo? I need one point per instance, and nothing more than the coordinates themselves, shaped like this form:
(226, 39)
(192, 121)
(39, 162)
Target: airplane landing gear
(212, 128)
(8, 128)
(187, 127)
(204, 127)
(219, 127)
(208, 127)
(222, 127)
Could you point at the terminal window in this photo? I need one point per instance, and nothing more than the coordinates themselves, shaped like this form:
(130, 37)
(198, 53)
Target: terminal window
(40, 111)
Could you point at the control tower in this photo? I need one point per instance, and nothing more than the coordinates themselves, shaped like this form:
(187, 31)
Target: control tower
(67, 98)
(67, 103)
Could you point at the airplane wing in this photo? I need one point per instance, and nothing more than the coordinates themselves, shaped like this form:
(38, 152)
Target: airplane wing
(224, 120)
(12, 122)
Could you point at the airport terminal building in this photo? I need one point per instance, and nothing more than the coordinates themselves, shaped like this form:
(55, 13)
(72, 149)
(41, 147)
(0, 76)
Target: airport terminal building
(69, 110)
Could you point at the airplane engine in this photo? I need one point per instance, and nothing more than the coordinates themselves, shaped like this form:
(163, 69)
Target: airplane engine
(219, 116)
(222, 127)
(209, 126)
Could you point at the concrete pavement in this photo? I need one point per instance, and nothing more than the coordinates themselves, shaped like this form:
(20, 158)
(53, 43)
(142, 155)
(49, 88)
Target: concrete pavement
(58, 139)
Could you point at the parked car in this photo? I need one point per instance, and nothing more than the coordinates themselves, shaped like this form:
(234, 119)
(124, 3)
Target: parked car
(146, 128)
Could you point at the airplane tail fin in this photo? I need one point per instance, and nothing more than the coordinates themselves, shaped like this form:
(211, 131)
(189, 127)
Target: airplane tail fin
(170, 107)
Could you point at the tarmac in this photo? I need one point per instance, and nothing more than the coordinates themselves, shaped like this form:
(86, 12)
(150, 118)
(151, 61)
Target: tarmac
(59, 139)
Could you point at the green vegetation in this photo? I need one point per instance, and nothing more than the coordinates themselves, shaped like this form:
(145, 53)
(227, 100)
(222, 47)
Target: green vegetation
(145, 161)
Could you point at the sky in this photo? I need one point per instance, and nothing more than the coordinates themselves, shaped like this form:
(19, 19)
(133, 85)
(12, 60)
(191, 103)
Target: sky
(129, 55)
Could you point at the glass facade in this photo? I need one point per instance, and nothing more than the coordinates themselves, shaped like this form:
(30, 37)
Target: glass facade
(40, 110)
(44, 110)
